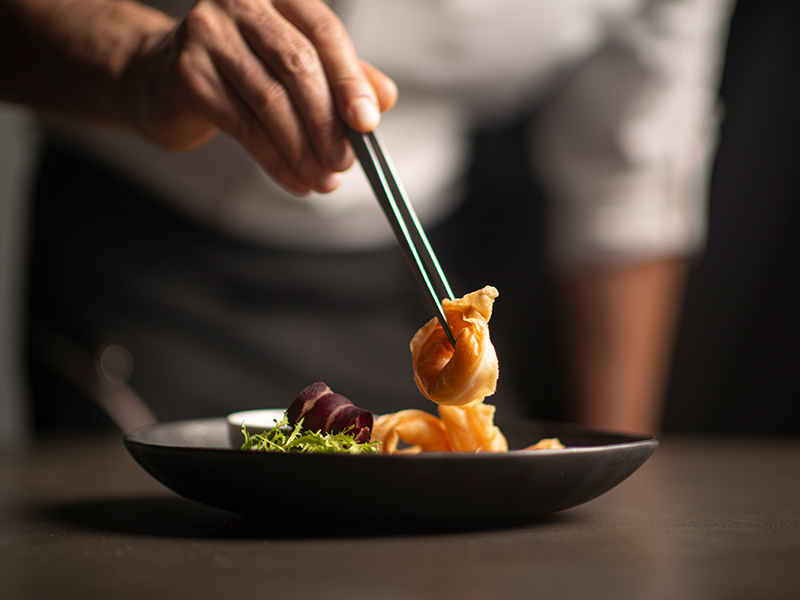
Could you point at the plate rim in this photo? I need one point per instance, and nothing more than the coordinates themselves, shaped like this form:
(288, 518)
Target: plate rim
(628, 440)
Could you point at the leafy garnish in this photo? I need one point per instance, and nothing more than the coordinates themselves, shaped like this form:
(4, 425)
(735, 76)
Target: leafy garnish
(284, 437)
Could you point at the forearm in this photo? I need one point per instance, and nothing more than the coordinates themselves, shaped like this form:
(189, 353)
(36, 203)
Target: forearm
(620, 325)
(71, 57)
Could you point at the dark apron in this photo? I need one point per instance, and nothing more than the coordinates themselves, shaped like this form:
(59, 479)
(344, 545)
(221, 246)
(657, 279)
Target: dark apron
(216, 324)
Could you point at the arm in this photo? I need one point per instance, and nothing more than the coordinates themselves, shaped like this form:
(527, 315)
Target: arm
(627, 164)
(274, 75)
(619, 325)
(69, 57)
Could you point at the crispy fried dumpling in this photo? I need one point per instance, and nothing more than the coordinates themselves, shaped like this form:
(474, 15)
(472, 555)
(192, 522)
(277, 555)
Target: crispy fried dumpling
(457, 379)
(422, 431)
(472, 429)
(468, 373)
(458, 428)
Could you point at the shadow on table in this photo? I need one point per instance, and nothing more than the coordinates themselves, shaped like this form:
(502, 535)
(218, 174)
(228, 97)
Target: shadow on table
(174, 517)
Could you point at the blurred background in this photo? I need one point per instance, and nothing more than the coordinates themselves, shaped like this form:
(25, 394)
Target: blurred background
(737, 364)
(737, 361)
(17, 152)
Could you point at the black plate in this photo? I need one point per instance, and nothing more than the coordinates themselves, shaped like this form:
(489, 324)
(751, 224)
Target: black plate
(195, 459)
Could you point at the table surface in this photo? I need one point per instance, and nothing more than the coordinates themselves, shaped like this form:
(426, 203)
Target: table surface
(705, 518)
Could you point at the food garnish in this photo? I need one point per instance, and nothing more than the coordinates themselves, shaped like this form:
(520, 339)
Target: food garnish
(287, 437)
(323, 410)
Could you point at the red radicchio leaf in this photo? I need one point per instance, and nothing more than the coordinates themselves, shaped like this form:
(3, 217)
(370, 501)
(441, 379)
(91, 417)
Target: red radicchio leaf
(322, 410)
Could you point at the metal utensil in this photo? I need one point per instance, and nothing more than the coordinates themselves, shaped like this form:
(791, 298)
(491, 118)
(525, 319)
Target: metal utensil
(391, 196)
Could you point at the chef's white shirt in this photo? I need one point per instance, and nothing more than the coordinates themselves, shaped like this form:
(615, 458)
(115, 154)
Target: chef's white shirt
(623, 145)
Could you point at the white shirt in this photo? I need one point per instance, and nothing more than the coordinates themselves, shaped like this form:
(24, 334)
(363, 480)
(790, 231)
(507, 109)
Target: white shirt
(628, 89)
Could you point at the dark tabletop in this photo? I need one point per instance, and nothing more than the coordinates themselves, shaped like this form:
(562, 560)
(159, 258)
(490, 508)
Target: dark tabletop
(705, 518)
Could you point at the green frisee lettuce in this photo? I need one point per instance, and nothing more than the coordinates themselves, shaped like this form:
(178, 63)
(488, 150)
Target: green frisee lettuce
(284, 437)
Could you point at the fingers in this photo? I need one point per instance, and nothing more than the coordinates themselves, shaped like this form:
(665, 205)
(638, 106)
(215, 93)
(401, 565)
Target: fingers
(223, 106)
(355, 97)
(297, 80)
(384, 86)
(236, 91)
(279, 76)
(278, 120)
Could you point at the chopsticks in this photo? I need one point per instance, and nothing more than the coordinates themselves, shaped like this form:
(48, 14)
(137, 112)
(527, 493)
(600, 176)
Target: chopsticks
(401, 215)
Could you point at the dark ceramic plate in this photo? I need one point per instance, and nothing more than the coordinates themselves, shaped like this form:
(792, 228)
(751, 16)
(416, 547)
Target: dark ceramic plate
(196, 460)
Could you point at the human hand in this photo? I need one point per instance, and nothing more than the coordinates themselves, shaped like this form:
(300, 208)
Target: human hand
(277, 75)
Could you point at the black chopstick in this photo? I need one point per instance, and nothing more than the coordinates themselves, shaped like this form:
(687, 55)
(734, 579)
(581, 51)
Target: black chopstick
(406, 226)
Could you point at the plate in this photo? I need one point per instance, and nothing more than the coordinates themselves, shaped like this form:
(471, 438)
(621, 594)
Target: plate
(196, 459)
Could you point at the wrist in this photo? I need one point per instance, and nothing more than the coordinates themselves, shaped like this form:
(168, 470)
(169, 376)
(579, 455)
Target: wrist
(77, 55)
(145, 31)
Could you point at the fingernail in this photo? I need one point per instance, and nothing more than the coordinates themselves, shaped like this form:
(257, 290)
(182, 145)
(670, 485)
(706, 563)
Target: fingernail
(365, 113)
(339, 156)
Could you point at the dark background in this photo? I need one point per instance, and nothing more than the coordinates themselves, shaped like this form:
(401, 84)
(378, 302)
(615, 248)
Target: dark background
(737, 365)
(737, 361)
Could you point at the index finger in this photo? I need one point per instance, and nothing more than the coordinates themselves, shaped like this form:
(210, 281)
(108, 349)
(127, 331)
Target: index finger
(353, 92)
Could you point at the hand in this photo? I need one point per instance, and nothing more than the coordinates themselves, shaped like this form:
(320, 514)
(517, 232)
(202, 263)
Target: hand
(277, 75)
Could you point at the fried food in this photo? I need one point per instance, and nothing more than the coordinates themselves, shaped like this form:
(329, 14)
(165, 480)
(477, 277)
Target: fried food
(467, 373)
(547, 444)
(459, 429)
(423, 431)
(472, 429)
(457, 379)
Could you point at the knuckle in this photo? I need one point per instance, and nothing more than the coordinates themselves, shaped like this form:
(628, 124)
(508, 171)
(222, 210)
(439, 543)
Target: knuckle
(298, 58)
(200, 23)
(350, 85)
(273, 94)
(235, 8)
(327, 30)
(226, 5)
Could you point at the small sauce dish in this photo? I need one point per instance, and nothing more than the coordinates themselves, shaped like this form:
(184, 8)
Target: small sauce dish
(257, 421)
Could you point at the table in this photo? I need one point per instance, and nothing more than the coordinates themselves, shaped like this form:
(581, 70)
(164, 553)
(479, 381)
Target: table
(705, 518)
